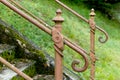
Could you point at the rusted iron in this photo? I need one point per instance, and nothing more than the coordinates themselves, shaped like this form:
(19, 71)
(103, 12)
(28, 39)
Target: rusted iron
(41, 21)
(70, 44)
(29, 13)
(58, 38)
(66, 41)
(71, 10)
(58, 45)
(101, 39)
(30, 19)
(26, 77)
(92, 44)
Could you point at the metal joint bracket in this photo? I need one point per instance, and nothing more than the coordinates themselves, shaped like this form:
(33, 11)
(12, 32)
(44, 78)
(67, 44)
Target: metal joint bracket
(58, 41)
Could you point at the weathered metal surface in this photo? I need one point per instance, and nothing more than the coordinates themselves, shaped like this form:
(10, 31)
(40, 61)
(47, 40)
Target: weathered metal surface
(92, 44)
(75, 47)
(58, 37)
(101, 39)
(58, 45)
(41, 21)
(93, 27)
(29, 13)
(35, 22)
(15, 69)
(29, 18)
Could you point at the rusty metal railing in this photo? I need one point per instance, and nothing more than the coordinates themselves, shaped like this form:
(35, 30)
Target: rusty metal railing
(93, 27)
(45, 24)
(59, 39)
(84, 19)
(55, 33)
(2, 60)
(92, 44)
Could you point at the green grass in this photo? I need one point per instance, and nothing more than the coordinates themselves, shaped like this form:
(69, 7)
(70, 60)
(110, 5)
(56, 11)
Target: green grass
(107, 67)
(8, 55)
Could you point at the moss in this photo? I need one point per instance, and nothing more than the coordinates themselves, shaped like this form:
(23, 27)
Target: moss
(18, 78)
(25, 47)
(39, 53)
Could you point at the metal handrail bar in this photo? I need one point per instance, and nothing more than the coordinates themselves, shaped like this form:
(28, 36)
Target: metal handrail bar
(29, 13)
(2, 60)
(47, 30)
(44, 23)
(84, 19)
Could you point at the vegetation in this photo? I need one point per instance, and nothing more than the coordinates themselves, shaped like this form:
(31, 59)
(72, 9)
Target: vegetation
(9, 56)
(31, 71)
(103, 6)
(107, 67)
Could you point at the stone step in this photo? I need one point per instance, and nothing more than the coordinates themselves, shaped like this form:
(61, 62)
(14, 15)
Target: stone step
(43, 77)
(6, 47)
(8, 74)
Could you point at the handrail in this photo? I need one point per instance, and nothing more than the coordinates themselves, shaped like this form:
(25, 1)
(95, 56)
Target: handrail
(43, 22)
(2, 60)
(84, 19)
(75, 47)
(29, 13)
(30, 19)
(93, 27)
(59, 39)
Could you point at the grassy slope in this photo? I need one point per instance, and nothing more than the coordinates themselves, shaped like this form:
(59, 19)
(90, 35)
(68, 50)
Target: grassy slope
(107, 68)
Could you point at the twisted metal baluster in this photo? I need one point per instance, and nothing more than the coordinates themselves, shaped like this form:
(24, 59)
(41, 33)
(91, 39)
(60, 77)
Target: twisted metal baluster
(101, 39)
(92, 44)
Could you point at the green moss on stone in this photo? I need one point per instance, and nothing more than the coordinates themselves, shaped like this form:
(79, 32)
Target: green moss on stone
(23, 45)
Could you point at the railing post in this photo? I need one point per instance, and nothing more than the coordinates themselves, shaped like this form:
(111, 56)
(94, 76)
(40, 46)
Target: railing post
(58, 45)
(92, 44)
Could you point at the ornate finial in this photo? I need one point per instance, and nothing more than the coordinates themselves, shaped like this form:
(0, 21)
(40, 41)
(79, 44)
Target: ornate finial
(58, 17)
(92, 13)
(59, 11)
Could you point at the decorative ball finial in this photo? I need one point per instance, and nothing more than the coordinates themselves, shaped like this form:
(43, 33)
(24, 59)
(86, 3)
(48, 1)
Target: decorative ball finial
(92, 13)
(59, 12)
(58, 17)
